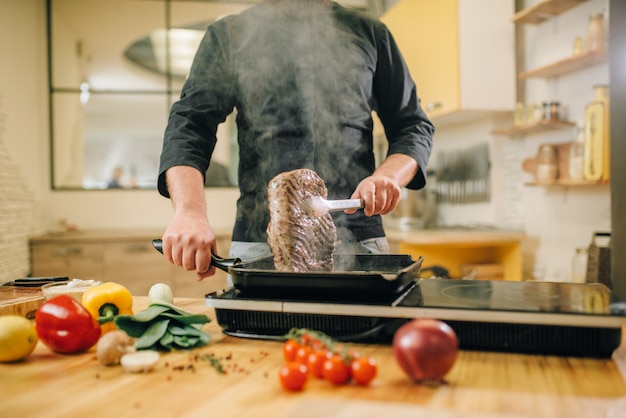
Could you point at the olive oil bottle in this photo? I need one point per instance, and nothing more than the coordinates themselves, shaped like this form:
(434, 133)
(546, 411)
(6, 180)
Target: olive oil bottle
(596, 142)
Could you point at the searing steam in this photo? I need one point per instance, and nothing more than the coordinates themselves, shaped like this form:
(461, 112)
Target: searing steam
(297, 71)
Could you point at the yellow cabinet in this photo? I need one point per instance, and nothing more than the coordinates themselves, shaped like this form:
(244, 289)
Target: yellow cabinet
(461, 54)
(457, 250)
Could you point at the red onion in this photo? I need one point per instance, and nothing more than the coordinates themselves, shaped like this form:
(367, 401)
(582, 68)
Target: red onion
(425, 349)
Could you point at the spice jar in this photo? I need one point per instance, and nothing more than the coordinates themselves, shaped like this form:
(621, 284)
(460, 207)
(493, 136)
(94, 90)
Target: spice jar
(596, 33)
(551, 110)
(547, 165)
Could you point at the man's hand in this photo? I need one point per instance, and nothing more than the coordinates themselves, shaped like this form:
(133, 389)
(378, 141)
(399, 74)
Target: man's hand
(382, 191)
(189, 241)
(380, 194)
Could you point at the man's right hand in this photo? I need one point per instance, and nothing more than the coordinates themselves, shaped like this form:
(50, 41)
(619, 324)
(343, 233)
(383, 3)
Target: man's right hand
(189, 240)
(188, 243)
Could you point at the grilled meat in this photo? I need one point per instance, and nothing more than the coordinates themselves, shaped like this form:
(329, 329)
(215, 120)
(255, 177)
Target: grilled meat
(299, 242)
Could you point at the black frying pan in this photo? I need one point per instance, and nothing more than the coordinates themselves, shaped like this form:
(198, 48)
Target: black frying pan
(359, 274)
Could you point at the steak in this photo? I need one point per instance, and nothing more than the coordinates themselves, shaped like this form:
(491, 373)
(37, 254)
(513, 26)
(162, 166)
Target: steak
(299, 242)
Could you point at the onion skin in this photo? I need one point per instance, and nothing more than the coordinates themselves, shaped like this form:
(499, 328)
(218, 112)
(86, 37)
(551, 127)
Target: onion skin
(425, 349)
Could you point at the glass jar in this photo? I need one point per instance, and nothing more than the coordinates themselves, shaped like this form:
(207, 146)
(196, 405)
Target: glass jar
(576, 157)
(551, 110)
(596, 33)
(579, 266)
(547, 164)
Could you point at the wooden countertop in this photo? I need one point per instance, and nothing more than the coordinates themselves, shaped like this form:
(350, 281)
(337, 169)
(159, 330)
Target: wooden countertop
(481, 384)
(454, 236)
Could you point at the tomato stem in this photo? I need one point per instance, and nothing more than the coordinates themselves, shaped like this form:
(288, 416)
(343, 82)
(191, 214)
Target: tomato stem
(301, 334)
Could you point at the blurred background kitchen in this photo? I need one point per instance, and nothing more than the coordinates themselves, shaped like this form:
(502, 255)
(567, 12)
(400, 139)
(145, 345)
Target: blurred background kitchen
(519, 180)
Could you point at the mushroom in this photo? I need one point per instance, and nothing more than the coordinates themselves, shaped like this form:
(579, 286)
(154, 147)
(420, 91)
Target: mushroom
(142, 361)
(112, 346)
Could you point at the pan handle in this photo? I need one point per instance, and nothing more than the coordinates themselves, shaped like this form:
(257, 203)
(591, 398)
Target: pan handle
(219, 262)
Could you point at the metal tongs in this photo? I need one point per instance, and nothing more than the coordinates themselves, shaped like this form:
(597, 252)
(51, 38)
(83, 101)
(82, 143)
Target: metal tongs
(318, 206)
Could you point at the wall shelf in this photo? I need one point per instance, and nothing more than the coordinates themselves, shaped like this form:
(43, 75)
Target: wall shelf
(543, 126)
(568, 183)
(564, 66)
(545, 10)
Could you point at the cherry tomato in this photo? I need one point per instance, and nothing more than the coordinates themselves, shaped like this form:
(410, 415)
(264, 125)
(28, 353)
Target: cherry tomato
(316, 361)
(307, 339)
(293, 376)
(363, 370)
(289, 350)
(302, 354)
(336, 371)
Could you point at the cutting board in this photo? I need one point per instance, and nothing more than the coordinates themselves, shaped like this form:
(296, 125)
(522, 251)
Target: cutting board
(22, 301)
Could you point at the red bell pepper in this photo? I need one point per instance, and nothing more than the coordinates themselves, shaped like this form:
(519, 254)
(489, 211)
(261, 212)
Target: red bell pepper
(65, 326)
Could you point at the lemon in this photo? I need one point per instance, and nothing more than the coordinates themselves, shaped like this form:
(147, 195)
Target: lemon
(18, 338)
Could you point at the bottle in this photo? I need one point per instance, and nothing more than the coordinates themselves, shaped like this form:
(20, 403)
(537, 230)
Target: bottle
(578, 46)
(596, 149)
(579, 266)
(596, 33)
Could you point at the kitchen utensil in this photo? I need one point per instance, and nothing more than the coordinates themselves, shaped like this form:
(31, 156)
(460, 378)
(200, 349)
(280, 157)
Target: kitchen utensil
(318, 206)
(599, 259)
(35, 281)
(364, 275)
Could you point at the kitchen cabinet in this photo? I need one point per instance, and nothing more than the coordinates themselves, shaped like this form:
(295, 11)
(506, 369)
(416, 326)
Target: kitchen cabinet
(461, 58)
(457, 249)
(126, 257)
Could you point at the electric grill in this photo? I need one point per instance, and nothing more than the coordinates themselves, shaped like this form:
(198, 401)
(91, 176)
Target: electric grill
(564, 319)
(367, 297)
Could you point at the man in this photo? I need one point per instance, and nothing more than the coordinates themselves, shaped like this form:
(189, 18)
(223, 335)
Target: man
(304, 76)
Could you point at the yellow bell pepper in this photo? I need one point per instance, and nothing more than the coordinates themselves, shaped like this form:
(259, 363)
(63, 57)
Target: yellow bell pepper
(106, 301)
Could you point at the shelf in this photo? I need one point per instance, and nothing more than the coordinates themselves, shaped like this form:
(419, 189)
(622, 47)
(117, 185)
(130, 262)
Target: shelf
(567, 65)
(543, 126)
(545, 10)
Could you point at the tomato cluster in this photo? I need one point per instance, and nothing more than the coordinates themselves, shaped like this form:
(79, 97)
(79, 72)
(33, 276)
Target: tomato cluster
(312, 353)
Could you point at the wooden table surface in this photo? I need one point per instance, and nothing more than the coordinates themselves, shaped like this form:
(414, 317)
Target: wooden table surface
(481, 384)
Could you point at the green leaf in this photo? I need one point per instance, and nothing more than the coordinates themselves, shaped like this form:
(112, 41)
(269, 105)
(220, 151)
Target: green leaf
(152, 335)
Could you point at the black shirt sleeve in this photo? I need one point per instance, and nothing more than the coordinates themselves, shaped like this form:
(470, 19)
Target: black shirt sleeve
(206, 100)
(406, 125)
